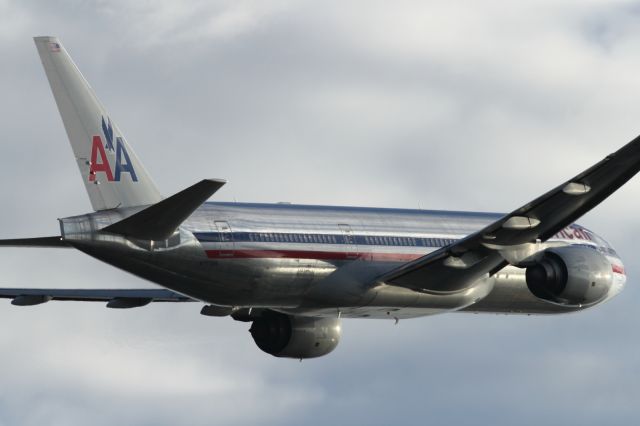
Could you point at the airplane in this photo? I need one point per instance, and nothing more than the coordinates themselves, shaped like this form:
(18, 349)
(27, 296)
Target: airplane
(294, 271)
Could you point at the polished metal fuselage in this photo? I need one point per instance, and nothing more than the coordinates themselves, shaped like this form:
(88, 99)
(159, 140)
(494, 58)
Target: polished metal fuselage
(314, 260)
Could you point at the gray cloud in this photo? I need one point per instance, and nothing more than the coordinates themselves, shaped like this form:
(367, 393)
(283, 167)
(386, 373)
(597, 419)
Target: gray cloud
(451, 105)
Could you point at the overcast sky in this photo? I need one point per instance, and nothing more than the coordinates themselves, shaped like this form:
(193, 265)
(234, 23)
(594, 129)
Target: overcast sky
(436, 104)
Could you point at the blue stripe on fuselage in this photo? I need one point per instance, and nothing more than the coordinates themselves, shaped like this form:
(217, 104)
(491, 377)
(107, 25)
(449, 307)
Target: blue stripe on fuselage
(304, 238)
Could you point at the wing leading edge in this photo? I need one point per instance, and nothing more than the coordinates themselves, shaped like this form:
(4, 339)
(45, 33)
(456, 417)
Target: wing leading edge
(457, 266)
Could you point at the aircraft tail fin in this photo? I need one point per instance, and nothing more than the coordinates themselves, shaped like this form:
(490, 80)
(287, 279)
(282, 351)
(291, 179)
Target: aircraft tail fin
(112, 174)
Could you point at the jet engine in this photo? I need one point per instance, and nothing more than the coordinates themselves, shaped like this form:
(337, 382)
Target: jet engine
(297, 337)
(570, 275)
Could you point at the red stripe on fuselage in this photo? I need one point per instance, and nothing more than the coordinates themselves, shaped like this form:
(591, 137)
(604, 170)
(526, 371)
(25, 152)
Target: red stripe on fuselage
(309, 254)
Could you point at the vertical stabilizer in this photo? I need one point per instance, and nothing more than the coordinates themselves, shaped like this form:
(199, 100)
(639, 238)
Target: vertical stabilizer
(111, 171)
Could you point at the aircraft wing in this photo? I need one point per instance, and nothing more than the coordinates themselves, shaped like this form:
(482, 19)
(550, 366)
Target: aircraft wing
(115, 298)
(458, 265)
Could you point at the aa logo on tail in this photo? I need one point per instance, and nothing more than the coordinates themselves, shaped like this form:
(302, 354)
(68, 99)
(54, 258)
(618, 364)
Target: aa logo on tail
(99, 160)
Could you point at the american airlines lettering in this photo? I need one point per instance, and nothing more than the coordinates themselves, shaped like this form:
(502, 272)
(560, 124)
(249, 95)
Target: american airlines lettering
(100, 161)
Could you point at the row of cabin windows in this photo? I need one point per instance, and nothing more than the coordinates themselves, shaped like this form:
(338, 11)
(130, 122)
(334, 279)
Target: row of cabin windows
(293, 238)
(407, 241)
(349, 239)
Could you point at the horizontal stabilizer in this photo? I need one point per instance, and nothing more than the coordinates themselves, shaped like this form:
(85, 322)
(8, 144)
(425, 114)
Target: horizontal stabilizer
(159, 221)
(35, 242)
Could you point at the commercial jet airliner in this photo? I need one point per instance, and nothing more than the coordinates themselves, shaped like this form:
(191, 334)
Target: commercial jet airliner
(294, 271)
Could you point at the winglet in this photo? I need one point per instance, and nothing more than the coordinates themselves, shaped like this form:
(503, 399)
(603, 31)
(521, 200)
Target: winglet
(160, 220)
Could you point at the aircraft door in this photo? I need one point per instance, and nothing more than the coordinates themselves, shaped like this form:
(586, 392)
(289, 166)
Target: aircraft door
(351, 248)
(226, 243)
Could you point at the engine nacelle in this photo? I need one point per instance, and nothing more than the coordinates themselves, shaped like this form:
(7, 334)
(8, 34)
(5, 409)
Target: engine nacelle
(297, 337)
(570, 275)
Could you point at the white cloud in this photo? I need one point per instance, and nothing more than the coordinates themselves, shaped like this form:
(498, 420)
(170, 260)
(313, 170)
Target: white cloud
(13, 21)
(165, 24)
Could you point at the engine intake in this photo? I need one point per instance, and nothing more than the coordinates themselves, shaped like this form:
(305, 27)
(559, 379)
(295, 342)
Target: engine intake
(297, 337)
(571, 276)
